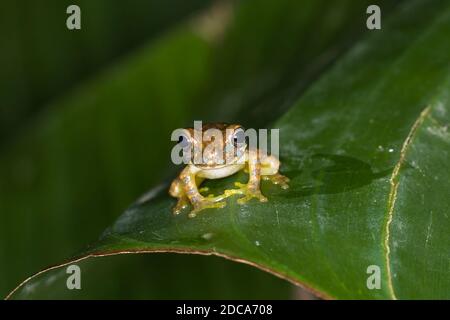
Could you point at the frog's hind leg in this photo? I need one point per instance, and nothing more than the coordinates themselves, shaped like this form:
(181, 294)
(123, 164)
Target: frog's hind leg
(269, 171)
(176, 190)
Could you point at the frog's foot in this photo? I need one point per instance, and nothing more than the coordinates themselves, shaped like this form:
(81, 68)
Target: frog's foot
(278, 179)
(211, 196)
(206, 203)
(248, 192)
(203, 189)
(182, 203)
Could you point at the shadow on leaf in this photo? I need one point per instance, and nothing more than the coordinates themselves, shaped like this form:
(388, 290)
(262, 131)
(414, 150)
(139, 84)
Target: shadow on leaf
(331, 174)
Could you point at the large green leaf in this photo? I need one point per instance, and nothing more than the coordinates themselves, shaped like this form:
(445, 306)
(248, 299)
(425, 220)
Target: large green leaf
(73, 168)
(366, 149)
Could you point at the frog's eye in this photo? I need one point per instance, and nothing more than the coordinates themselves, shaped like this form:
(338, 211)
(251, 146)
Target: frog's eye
(183, 141)
(238, 137)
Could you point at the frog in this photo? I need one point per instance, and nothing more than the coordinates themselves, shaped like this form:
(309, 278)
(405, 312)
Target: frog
(240, 156)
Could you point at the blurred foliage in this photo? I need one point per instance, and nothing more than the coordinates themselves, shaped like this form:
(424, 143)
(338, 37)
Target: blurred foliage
(41, 59)
(71, 168)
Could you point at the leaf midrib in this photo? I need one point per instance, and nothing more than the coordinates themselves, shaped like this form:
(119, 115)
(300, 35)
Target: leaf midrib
(394, 179)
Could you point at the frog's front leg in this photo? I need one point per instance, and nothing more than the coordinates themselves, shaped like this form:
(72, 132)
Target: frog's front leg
(191, 191)
(252, 188)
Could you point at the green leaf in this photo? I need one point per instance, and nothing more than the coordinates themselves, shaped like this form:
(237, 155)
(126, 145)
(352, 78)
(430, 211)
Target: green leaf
(75, 167)
(55, 173)
(163, 276)
(366, 149)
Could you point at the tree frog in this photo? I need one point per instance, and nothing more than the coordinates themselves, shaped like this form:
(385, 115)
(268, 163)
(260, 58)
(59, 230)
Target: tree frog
(238, 156)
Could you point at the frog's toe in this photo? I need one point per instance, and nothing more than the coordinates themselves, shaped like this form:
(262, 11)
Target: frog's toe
(240, 185)
(283, 184)
(242, 189)
(177, 209)
(278, 179)
(252, 194)
(206, 205)
(180, 206)
(231, 192)
(220, 205)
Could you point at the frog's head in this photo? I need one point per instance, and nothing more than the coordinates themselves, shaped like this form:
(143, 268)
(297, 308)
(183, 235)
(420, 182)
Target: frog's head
(215, 145)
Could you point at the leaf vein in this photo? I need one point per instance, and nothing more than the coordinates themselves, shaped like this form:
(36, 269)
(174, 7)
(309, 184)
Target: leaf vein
(394, 181)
